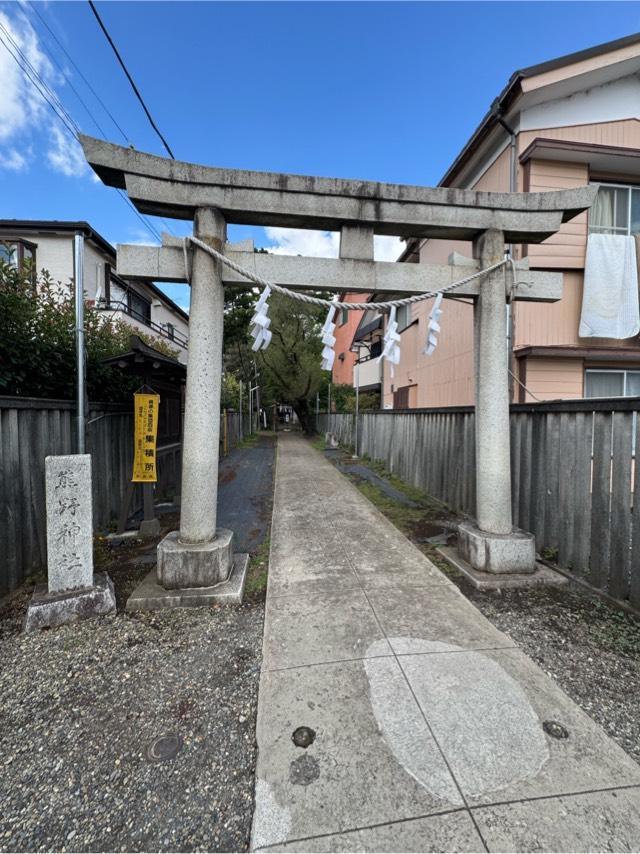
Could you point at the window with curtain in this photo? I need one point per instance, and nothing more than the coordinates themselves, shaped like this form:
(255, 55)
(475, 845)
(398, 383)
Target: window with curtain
(616, 210)
(139, 307)
(611, 383)
(403, 317)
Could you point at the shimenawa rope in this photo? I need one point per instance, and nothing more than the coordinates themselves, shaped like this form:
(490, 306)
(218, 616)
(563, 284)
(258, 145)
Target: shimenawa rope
(349, 306)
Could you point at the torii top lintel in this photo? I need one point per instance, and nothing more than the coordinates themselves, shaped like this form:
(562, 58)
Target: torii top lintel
(173, 188)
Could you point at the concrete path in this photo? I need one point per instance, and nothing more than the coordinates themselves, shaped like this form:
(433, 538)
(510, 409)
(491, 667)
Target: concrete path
(429, 729)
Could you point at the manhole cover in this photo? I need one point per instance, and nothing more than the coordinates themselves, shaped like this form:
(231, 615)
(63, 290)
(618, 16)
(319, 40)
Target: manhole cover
(163, 748)
(555, 730)
(303, 736)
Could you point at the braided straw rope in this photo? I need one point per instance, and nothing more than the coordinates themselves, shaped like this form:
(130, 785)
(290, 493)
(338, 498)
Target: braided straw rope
(350, 306)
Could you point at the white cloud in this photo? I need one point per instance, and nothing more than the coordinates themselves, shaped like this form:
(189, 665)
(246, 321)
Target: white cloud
(387, 248)
(65, 154)
(302, 241)
(325, 244)
(13, 160)
(20, 104)
(23, 111)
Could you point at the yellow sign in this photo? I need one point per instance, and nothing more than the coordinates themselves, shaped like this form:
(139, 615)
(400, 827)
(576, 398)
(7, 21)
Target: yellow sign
(145, 413)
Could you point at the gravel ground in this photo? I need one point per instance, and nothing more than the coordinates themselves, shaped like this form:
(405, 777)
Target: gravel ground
(82, 703)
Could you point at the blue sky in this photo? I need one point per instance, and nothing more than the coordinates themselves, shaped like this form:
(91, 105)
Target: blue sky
(381, 91)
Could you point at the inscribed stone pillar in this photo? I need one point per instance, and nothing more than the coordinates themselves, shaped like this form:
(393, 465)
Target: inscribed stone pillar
(73, 591)
(69, 522)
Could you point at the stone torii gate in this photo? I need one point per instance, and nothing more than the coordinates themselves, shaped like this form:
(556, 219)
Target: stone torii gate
(201, 556)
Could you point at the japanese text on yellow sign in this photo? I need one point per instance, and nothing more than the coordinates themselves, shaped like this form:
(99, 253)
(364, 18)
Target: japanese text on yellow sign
(146, 430)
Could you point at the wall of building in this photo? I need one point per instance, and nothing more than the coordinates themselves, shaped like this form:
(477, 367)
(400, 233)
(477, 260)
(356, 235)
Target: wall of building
(54, 253)
(564, 250)
(162, 313)
(548, 378)
(345, 360)
(447, 377)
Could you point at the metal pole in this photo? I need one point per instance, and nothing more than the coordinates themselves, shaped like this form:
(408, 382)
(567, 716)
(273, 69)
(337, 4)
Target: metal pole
(250, 409)
(241, 431)
(329, 406)
(357, 404)
(258, 407)
(78, 255)
(317, 408)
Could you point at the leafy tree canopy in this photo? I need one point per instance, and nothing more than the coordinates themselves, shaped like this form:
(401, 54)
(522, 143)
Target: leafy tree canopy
(290, 367)
(37, 341)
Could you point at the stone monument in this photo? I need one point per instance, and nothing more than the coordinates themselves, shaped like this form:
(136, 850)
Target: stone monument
(73, 591)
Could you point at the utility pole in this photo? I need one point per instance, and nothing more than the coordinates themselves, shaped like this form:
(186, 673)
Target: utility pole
(78, 256)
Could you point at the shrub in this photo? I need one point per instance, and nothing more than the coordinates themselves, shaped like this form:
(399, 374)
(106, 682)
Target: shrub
(37, 341)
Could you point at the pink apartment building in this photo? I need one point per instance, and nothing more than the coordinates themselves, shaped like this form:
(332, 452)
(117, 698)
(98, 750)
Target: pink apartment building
(557, 125)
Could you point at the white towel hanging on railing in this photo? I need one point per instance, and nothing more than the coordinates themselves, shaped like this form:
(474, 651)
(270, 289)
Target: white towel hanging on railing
(610, 297)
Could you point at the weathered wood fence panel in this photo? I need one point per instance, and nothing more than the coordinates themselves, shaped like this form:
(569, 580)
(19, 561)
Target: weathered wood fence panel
(32, 429)
(574, 482)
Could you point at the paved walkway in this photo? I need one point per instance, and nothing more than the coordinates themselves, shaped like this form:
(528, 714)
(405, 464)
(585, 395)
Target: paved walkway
(429, 729)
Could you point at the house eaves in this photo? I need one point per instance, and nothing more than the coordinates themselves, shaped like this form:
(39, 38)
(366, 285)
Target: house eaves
(513, 90)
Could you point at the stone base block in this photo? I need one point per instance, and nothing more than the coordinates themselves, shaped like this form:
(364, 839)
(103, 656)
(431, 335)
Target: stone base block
(150, 596)
(186, 565)
(54, 609)
(543, 576)
(149, 528)
(515, 552)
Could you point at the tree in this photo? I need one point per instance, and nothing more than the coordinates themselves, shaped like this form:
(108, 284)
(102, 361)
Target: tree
(290, 367)
(37, 341)
(344, 399)
(238, 356)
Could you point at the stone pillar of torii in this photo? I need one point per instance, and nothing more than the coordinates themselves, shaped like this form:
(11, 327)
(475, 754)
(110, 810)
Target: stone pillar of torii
(200, 555)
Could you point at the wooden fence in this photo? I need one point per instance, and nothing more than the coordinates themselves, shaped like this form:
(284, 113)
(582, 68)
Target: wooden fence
(32, 429)
(573, 483)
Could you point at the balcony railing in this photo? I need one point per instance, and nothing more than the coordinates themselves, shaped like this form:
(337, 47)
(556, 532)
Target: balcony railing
(172, 335)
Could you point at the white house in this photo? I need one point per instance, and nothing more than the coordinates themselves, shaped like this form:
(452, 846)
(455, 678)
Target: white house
(48, 245)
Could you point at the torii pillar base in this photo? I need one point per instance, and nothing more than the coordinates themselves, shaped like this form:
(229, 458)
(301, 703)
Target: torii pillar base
(193, 575)
(185, 565)
(497, 553)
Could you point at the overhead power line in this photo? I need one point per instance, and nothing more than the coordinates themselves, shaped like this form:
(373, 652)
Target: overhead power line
(91, 115)
(58, 108)
(130, 78)
(38, 85)
(69, 82)
(34, 8)
(142, 218)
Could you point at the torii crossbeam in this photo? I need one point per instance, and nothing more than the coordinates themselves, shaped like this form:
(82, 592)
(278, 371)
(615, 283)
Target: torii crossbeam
(199, 555)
